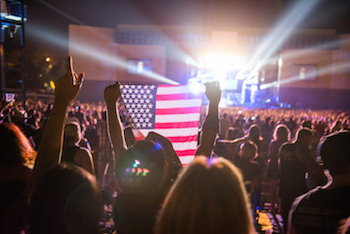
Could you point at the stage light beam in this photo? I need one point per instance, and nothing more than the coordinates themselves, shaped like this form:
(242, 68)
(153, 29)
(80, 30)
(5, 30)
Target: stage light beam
(320, 72)
(280, 33)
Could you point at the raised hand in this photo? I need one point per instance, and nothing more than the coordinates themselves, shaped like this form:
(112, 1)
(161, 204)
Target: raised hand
(211, 123)
(213, 92)
(112, 93)
(68, 86)
(115, 127)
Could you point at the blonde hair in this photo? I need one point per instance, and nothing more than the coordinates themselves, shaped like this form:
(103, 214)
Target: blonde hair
(208, 197)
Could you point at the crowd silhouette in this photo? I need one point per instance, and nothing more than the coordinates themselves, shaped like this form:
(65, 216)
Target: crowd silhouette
(69, 166)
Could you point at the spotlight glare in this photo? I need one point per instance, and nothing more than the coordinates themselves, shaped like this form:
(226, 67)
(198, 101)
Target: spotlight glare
(196, 88)
(221, 62)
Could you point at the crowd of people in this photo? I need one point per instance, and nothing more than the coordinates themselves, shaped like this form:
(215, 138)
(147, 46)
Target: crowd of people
(63, 161)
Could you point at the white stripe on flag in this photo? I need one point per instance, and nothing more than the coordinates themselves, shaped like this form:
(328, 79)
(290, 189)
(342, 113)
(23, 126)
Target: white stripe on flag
(177, 118)
(186, 159)
(174, 90)
(178, 103)
(185, 145)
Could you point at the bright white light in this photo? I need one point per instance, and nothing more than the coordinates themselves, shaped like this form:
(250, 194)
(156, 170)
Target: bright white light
(140, 67)
(220, 75)
(223, 84)
(201, 61)
(222, 103)
(191, 61)
(196, 88)
(280, 62)
(218, 66)
(12, 17)
(219, 62)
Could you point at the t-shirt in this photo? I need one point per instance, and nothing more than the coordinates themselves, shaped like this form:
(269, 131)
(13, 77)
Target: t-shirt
(250, 171)
(292, 173)
(249, 168)
(69, 153)
(136, 214)
(321, 210)
(273, 170)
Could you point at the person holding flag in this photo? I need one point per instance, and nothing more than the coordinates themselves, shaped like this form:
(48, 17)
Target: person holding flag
(146, 171)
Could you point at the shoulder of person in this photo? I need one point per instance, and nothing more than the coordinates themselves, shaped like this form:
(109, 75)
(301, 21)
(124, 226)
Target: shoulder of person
(287, 146)
(302, 198)
(302, 149)
(257, 167)
(83, 151)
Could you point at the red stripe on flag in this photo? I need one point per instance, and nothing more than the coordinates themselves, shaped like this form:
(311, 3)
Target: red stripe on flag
(190, 152)
(178, 96)
(183, 138)
(186, 110)
(189, 124)
(139, 138)
(172, 116)
(138, 134)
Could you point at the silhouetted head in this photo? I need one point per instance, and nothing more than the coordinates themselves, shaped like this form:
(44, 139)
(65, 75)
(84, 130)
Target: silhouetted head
(65, 200)
(249, 150)
(232, 133)
(170, 154)
(304, 136)
(307, 124)
(255, 133)
(72, 133)
(141, 169)
(208, 197)
(335, 152)
(281, 133)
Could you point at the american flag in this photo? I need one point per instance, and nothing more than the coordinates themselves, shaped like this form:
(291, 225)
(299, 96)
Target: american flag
(169, 110)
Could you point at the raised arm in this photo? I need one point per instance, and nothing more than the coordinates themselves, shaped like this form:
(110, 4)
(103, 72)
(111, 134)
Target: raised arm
(3, 106)
(50, 147)
(115, 127)
(233, 146)
(211, 124)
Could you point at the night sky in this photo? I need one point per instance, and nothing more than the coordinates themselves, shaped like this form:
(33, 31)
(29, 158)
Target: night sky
(53, 17)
